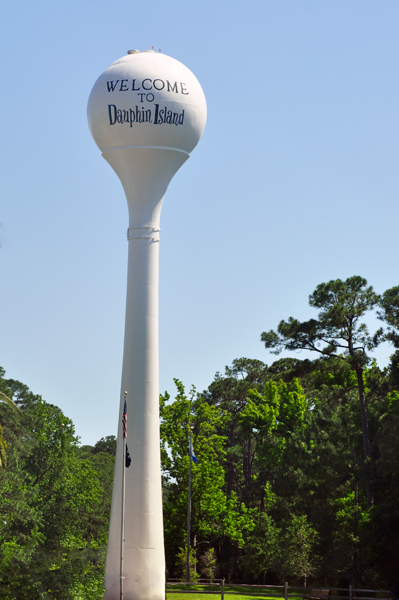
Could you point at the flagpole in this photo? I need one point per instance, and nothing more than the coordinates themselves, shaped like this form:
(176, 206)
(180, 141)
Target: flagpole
(189, 510)
(124, 435)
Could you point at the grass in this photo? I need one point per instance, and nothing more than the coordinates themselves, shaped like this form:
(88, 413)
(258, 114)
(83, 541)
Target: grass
(173, 592)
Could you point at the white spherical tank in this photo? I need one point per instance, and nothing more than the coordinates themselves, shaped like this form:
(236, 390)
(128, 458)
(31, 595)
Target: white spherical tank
(146, 113)
(147, 99)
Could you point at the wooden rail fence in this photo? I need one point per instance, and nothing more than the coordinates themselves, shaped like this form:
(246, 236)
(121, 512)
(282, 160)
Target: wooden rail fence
(349, 593)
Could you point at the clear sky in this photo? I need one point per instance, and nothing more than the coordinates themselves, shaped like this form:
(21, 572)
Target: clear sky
(294, 182)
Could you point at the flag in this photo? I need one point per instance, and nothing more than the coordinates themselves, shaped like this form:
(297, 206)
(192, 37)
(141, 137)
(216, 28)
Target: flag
(124, 420)
(193, 457)
(128, 459)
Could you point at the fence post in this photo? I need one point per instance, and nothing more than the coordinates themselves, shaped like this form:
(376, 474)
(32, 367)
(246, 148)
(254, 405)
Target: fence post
(222, 589)
(350, 591)
(286, 590)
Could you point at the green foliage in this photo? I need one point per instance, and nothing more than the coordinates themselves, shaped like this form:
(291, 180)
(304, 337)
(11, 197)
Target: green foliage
(351, 521)
(262, 550)
(213, 512)
(3, 444)
(8, 401)
(181, 564)
(107, 444)
(389, 304)
(208, 564)
(3, 448)
(298, 557)
(282, 408)
(339, 333)
(53, 525)
(338, 330)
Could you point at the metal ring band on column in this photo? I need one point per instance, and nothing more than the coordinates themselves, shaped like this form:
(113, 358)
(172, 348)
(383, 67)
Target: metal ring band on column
(136, 230)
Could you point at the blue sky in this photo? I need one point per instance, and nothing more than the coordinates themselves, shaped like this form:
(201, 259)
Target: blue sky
(294, 182)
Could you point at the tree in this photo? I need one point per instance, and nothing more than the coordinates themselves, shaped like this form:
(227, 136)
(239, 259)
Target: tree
(350, 521)
(9, 401)
(107, 444)
(3, 444)
(208, 564)
(52, 540)
(261, 550)
(389, 304)
(270, 419)
(230, 394)
(214, 515)
(389, 313)
(298, 555)
(181, 564)
(339, 332)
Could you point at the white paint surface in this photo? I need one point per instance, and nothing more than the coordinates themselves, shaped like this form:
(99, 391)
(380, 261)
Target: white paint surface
(145, 156)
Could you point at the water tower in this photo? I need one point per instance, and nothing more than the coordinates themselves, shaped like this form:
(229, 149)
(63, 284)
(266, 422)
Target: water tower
(146, 113)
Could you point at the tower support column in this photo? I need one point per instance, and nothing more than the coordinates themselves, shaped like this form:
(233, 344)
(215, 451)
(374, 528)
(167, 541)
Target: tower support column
(143, 547)
(144, 555)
